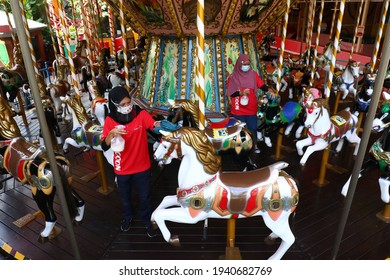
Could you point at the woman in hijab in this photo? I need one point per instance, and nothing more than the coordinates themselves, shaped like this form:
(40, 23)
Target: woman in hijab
(242, 86)
(132, 165)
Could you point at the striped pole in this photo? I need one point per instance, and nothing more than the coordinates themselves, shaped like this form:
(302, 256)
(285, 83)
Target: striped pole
(336, 4)
(87, 35)
(379, 35)
(282, 46)
(200, 51)
(51, 29)
(310, 28)
(336, 43)
(313, 67)
(29, 41)
(57, 26)
(112, 29)
(11, 30)
(74, 21)
(124, 43)
(65, 31)
(90, 26)
(356, 28)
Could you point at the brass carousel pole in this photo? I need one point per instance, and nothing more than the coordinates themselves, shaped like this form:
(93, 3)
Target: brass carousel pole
(364, 141)
(16, 9)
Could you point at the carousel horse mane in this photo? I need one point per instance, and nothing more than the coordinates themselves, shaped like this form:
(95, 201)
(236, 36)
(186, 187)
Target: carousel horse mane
(78, 108)
(205, 151)
(8, 126)
(190, 107)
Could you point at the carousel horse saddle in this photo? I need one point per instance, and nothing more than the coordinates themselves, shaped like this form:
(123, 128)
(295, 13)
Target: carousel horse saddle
(93, 133)
(241, 184)
(342, 122)
(227, 122)
(224, 131)
(17, 156)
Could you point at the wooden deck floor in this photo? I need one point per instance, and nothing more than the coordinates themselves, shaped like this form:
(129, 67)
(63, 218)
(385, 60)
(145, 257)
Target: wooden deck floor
(314, 223)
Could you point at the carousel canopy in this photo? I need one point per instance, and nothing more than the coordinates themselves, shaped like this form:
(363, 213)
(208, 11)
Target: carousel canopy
(221, 17)
(4, 27)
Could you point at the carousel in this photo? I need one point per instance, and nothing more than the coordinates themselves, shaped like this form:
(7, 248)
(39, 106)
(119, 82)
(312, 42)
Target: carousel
(174, 57)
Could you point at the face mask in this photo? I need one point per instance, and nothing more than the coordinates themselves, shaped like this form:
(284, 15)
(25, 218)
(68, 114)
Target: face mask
(125, 110)
(245, 68)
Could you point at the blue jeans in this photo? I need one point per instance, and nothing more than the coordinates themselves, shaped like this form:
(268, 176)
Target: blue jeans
(142, 183)
(251, 124)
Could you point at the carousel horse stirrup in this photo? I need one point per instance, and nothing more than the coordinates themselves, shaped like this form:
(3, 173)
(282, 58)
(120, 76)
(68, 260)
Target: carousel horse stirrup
(174, 241)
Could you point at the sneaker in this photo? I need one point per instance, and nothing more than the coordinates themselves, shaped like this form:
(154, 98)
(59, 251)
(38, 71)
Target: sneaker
(125, 224)
(150, 231)
(257, 150)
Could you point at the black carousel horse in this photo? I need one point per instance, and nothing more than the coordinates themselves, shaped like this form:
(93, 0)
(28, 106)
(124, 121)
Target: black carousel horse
(365, 90)
(265, 47)
(29, 164)
(273, 116)
(379, 154)
(226, 135)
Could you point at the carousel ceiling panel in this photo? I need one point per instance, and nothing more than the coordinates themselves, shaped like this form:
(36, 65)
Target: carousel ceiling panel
(178, 17)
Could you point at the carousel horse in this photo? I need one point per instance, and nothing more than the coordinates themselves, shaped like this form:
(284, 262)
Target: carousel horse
(307, 96)
(379, 154)
(80, 58)
(59, 87)
(11, 80)
(99, 106)
(363, 98)
(324, 59)
(285, 74)
(322, 129)
(116, 79)
(265, 47)
(273, 116)
(206, 192)
(345, 81)
(227, 134)
(29, 164)
(85, 133)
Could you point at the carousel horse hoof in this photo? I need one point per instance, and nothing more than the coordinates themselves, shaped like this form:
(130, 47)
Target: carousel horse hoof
(270, 241)
(65, 151)
(77, 223)
(174, 241)
(43, 239)
(154, 225)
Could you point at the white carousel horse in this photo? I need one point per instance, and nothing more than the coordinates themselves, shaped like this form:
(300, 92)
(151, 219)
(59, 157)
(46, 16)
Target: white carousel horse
(308, 95)
(116, 79)
(99, 107)
(85, 133)
(284, 74)
(345, 81)
(323, 129)
(205, 192)
(324, 59)
(59, 87)
(379, 154)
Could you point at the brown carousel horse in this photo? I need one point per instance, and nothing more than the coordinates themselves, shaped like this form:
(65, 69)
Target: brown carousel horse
(11, 80)
(29, 164)
(60, 87)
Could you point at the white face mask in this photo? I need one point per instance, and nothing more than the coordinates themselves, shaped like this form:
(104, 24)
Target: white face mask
(125, 110)
(245, 68)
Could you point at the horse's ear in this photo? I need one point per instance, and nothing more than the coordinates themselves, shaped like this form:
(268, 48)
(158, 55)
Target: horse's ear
(171, 102)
